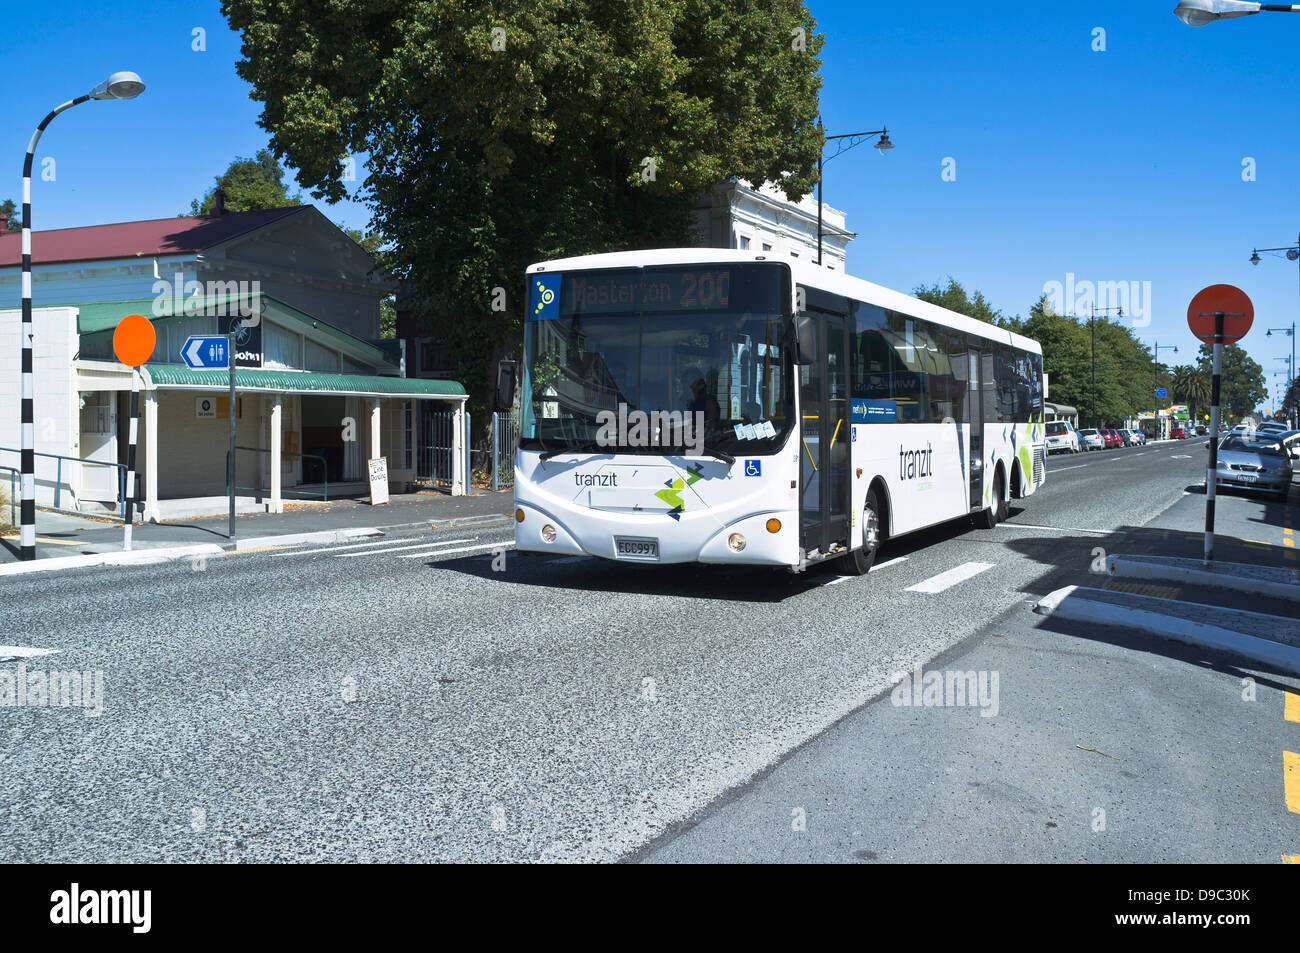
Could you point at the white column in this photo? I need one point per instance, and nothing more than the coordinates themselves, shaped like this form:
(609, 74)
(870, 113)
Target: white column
(150, 513)
(375, 424)
(459, 440)
(277, 442)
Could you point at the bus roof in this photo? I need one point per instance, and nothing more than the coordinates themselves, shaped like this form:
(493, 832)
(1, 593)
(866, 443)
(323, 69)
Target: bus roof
(804, 274)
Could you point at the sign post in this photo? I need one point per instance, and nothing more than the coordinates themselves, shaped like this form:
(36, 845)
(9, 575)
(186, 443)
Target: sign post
(215, 352)
(1219, 314)
(133, 343)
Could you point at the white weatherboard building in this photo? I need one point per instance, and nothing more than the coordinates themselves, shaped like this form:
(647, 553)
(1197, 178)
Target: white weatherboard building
(319, 393)
(735, 214)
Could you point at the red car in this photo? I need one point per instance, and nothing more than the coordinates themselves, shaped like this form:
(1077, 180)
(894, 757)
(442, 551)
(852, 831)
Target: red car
(1178, 433)
(1112, 439)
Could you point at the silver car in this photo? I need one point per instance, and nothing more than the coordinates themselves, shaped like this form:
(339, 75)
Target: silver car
(1255, 461)
(1091, 440)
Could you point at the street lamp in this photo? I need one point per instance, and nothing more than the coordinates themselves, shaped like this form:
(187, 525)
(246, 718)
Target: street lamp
(122, 85)
(1292, 253)
(1092, 334)
(883, 144)
(1155, 376)
(1201, 12)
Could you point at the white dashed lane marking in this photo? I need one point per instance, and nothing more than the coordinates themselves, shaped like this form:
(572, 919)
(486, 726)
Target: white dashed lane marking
(946, 580)
(504, 544)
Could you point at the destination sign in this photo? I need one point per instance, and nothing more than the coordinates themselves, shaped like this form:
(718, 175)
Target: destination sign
(740, 287)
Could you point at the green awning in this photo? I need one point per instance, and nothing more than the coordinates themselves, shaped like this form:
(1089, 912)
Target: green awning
(175, 376)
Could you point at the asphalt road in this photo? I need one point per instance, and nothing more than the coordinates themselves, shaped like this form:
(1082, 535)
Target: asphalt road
(401, 700)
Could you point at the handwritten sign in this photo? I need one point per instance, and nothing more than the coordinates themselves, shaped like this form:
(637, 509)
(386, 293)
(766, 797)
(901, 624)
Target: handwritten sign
(378, 481)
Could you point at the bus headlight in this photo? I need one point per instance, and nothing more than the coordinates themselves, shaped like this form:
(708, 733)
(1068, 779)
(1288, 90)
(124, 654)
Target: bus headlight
(548, 533)
(736, 542)
(774, 525)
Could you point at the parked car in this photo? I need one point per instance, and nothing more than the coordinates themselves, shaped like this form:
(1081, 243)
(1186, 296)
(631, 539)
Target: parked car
(1178, 433)
(1202, 430)
(1112, 439)
(1091, 440)
(1272, 427)
(1061, 437)
(1256, 462)
(1136, 438)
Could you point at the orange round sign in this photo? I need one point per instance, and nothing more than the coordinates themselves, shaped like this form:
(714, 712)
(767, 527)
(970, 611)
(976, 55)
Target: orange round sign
(1238, 313)
(134, 340)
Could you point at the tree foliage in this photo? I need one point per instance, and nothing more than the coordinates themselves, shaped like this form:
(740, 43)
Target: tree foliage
(249, 184)
(1242, 385)
(15, 223)
(503, 134)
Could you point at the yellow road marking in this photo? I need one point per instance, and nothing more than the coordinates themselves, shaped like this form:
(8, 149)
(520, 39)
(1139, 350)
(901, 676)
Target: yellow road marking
(261, 549)
(1291, 780)
(1291, 858)
(52, 542)
(1291, 707)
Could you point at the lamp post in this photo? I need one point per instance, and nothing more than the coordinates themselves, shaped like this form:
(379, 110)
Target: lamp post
(122, 85)
(1155, 374)
(1092, 336)
(1201, 12)
(1292, 253)
(883, 144)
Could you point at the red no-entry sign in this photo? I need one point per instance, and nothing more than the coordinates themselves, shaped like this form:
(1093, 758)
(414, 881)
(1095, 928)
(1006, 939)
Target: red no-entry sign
(1238, 313)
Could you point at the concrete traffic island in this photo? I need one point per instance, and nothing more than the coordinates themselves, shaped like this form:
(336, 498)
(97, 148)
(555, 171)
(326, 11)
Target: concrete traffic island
(1268, 639)
(1275, 582)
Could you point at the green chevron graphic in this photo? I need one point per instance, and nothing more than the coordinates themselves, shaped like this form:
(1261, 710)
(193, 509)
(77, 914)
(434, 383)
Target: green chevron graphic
(672, 494)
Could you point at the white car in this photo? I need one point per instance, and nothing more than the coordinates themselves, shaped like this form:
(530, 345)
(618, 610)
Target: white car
(1061, 437)
(1091, 440)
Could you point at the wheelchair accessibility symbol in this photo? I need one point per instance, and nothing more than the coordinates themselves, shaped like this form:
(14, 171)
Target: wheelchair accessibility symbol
(753, 468)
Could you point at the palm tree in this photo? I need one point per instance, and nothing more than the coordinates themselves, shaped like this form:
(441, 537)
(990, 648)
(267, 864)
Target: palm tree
(1191, 387)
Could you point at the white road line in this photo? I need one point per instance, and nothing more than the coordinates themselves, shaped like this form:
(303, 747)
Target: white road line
(10, 652)
(889, 562)
(1063, 469)
(946, 580)
(1060, 529)
(398, 549)
(504, 544)
(370, 543)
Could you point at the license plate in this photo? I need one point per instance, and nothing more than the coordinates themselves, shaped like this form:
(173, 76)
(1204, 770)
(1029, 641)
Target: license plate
(1247, 477)
(636, 547)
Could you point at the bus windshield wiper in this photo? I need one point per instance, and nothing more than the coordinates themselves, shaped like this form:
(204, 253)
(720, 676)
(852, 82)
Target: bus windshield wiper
(718, 454)
(577, 448)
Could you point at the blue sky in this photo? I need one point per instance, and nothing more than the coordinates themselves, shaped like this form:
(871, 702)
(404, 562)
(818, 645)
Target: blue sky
(1122, 165)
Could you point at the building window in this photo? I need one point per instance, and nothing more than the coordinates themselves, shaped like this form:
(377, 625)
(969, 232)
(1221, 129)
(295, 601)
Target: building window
(744, 242)
(766, 247)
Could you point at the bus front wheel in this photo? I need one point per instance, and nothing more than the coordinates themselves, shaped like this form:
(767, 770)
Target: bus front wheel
(859, 561)
(987, 519)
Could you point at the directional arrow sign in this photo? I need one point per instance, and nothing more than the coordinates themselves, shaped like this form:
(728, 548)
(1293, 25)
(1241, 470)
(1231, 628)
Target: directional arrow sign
(206, 352)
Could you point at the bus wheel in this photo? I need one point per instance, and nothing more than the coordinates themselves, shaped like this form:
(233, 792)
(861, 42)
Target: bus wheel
(987, 519)
(859, 561)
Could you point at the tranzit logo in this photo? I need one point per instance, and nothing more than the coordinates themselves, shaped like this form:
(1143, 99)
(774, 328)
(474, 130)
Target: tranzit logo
(77, 906)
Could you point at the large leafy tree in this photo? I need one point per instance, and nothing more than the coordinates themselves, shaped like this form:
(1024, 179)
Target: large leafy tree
(506, 133)
(248, 184)
(954, 297)
(15, 218)
(1242, 386)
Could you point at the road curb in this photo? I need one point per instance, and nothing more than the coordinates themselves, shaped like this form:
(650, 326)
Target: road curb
(322, 536)
(139, 557)
(1072, 603)
(1235, 576)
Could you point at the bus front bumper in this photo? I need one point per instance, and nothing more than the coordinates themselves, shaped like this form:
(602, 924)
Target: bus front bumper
(695, 539)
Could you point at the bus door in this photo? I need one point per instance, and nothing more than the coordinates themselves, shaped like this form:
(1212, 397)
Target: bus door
(825, 438)
(975, 414)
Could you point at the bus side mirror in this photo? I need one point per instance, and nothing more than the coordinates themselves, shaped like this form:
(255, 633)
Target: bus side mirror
(805, 339)
(505, 398)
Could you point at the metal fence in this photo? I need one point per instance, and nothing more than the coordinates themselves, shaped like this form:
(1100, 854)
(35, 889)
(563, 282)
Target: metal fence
(434, 442)
(505, 440)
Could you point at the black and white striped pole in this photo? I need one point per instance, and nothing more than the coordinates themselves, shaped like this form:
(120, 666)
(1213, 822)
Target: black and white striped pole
(131, 476)
(122, 85)
(1208, 317)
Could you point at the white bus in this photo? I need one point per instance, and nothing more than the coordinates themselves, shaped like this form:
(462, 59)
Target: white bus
(836, 413)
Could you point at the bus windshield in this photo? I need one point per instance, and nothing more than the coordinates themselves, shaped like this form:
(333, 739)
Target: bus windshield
(708, 340)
